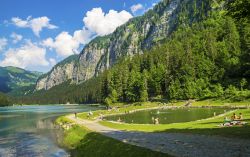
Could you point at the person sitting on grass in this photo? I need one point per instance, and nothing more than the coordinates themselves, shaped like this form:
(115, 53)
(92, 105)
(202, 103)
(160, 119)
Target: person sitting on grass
(234, 121)
(234, 117)
(227, 122)
(240, 117)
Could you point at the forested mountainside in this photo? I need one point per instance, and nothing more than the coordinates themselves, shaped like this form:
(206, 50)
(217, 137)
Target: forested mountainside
(135, 37)
(13, 78)
(4, 100)
(207, 59)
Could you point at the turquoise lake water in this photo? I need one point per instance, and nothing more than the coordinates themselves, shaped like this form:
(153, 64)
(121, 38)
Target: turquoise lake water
(29, 131)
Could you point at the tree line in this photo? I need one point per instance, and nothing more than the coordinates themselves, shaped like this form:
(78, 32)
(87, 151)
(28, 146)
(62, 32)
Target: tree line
(209, 59)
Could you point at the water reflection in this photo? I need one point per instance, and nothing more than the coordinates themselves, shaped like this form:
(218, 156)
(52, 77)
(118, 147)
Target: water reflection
(166, 116)
(29, 130)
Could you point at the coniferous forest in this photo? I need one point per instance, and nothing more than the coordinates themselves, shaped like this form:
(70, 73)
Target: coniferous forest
(208, 59)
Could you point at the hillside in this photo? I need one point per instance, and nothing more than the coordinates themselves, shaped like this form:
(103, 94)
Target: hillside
(13, 78)
(135, 37)
(208, 59)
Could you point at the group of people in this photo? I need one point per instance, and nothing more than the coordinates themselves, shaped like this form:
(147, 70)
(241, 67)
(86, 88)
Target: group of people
(155, 120)
(235, 120)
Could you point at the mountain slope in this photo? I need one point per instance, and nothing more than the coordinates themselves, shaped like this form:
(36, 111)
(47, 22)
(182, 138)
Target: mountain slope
(203, 60)
(12, 78)
(134, 37)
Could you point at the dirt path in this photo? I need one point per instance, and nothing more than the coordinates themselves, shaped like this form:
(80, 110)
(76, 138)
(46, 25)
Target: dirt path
(176, 144)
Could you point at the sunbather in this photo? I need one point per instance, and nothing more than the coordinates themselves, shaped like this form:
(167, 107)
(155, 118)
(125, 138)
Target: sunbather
(240, 117)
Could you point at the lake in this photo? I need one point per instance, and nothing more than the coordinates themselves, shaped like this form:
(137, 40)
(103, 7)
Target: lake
(29, 130)
(167, 116)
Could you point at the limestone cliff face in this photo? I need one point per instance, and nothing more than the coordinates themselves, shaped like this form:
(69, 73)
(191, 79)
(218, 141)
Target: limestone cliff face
(62, 72)
(136, 36)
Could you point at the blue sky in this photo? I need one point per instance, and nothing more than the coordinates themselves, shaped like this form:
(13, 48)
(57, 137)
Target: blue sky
(36, 34)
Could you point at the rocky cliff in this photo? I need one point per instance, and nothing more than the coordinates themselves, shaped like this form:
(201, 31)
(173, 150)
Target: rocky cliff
(62, 72)
(134, 37)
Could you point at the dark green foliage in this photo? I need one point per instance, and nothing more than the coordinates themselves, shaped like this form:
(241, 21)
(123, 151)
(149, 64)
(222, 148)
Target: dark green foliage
(238, 9)
(207, 59)
(4, 100)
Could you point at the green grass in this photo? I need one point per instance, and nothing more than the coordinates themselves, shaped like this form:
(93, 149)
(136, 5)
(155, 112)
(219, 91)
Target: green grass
(211, 102)
(122, 107)
(207, 126)
(84, 143)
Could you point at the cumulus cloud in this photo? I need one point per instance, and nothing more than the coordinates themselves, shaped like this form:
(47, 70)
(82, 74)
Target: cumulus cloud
(96, 23)
(65, 44)
(16, 37)
(3, 43)
(26, 56)
(102, 24)
(82, 36)
(136, 7)
(36, 24)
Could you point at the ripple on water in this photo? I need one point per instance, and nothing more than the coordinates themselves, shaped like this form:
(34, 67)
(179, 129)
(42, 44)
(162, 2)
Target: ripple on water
(30, 144)
(27, 131)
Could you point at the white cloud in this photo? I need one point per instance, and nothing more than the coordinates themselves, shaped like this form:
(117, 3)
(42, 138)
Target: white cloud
(96, 23)
(82, 36)
(26, 56)
(64, 44)
(3, 43)
(102, 24)
(136, 7)
(36, 24)
(16, 37)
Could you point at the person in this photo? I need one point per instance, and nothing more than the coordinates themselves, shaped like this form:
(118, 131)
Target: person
(75, 115)
(153, 120)
(156, 120)
(226, 119)
(235, 117)
(240, 117)
(101, 116)
(227, 122)
(90, 113)
(214, 114)
(119, 119)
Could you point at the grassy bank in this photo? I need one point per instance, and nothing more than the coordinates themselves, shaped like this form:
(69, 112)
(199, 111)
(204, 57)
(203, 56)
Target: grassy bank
(122, 107)
(208, 126)
(82, 142)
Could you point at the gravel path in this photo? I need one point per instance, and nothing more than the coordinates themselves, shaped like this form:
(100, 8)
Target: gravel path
(176, 144)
